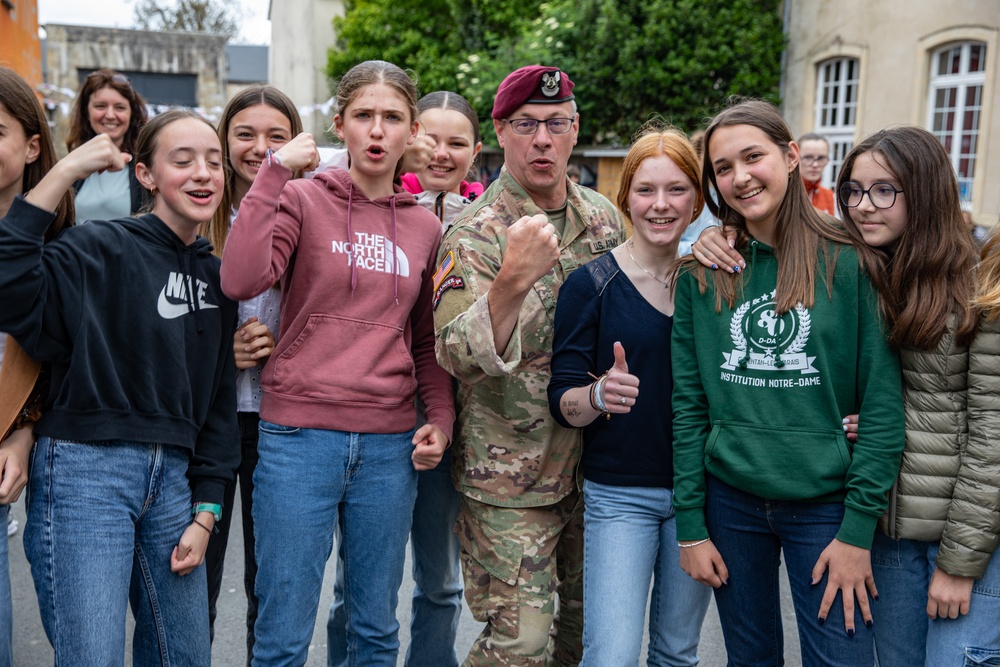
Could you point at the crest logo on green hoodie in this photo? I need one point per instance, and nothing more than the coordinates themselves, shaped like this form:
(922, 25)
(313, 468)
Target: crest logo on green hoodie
(766, 341)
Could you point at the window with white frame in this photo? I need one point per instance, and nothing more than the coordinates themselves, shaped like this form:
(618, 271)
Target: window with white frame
(958, 73)
(836, 110)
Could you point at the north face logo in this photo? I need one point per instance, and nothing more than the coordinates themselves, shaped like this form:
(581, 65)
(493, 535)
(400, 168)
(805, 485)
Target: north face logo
(373, 252)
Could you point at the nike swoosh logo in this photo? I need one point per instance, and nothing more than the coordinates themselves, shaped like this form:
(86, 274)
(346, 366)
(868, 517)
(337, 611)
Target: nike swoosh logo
(169, 310)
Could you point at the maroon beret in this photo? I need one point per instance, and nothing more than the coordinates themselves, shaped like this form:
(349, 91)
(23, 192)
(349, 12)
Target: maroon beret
(533, 84)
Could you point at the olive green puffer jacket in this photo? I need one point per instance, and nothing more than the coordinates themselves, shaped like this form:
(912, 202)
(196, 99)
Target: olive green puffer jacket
(949, 482)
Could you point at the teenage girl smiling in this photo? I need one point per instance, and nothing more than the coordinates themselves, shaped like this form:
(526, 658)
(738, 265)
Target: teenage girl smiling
(755, 481)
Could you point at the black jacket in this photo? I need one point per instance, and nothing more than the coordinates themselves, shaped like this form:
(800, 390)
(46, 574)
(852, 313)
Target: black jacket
(136, 354)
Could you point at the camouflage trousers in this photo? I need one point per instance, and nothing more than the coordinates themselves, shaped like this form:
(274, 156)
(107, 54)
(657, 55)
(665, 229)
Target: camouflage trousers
(515, 561)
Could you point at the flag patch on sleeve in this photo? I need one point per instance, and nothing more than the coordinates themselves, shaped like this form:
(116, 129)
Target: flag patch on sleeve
(447, 264)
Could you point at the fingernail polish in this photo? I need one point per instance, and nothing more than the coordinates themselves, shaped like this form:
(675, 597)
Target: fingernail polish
(845, 428)
(714, 266)
(812, 582)
(726, 582)
(850, 632)
(875, 598)
(736, 269)
(869, 623)
(822, 620)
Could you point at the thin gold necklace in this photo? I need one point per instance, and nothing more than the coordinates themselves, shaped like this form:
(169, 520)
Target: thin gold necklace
(665, 283)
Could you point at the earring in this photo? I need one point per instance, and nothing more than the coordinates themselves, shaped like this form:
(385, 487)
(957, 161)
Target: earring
(153, 190)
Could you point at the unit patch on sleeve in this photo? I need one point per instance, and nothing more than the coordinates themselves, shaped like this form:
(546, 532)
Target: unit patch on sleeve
(453, 282)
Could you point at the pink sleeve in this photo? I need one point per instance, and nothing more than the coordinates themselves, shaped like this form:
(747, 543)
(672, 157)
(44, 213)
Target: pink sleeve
(433, 382)
(411, 183)
(264, 235)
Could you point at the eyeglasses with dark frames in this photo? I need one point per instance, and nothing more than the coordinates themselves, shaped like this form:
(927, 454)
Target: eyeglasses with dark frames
(530, 125)
(881, 195)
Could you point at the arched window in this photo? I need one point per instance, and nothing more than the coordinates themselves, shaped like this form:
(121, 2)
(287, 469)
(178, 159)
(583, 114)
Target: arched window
(836, 110)
(958, 73)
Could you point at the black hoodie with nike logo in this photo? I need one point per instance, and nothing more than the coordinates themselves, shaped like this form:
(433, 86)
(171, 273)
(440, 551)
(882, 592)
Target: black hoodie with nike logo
(137, 331)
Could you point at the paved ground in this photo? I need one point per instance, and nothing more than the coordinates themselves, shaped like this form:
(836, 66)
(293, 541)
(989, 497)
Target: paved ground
(31, 648)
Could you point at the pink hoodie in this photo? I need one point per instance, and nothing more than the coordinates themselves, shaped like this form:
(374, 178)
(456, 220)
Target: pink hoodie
(357, 329)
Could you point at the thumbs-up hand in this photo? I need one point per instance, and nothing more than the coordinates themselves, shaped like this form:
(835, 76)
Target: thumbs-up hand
(620, 389)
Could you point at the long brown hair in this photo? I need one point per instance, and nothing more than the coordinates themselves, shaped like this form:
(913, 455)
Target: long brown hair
(17, 99)
(799, 229)
(928, 273)
(216, 230)
(80, 129)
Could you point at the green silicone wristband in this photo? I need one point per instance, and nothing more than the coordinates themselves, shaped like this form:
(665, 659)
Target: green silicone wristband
(214, 508)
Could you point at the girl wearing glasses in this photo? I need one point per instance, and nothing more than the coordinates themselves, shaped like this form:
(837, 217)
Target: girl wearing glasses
(107, 104)
(932, 556)
(765, 363)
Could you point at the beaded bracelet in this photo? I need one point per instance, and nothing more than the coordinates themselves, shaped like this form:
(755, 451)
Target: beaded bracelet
(693, 544)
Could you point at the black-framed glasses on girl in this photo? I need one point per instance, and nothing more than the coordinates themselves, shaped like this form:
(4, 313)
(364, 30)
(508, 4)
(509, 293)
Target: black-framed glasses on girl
(881, 195)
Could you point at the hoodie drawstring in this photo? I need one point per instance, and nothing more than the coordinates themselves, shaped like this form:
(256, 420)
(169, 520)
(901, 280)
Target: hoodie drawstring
(395, 273)
(745, 359)
(350, 239)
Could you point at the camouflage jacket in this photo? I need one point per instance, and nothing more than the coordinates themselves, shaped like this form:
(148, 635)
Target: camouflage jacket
(509, 451)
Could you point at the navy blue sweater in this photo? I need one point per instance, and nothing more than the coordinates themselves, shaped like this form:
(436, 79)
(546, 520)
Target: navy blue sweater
(598, 305)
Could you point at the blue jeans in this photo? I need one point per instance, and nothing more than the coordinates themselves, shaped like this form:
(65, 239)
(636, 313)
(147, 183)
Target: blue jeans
(751, 533)
(103, 520)
(630, 537)
(6, 607)
(904, 635)
(437, 595)
(308, 480)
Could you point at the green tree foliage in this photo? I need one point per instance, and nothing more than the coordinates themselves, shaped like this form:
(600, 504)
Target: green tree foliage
(679, 60)
(210, 16)
(631, 59)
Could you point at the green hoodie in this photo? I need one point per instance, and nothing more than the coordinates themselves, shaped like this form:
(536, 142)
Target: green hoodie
(759, 399)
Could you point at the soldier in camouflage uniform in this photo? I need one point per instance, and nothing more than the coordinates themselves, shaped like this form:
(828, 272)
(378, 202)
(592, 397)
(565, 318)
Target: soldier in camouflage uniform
(501, 265)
